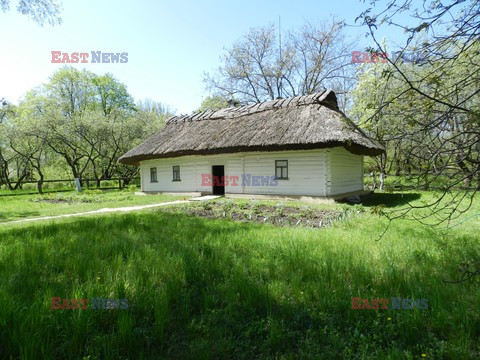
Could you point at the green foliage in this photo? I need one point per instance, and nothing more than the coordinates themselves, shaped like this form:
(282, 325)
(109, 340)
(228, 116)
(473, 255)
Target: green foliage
(280, 208)
(307, 211)
(255, 206)
(227, 206)
(206, 205)
(77, 125)
(425, 114)
(213, 103)
(378, 209)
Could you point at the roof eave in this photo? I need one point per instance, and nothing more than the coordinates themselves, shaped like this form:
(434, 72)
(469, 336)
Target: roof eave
(356, 149)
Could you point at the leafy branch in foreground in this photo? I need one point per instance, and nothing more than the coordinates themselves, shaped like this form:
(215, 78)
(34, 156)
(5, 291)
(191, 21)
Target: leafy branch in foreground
(427, 113)
(40, 11)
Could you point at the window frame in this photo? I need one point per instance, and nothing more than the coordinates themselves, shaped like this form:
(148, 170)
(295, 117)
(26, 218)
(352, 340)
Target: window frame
(176, 172)
(153, 171)
(281, 171)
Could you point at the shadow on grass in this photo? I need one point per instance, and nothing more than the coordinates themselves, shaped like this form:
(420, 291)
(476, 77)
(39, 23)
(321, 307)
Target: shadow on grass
(33, 192)
(390, 199)
(196, 289)
(16, 215)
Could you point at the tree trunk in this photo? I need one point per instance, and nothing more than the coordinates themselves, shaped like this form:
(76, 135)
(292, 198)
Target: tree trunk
(40, 185)
(383, 163)
(76, 174)
(478, 177)
(18, 184)
(466, 173)
(397, 166)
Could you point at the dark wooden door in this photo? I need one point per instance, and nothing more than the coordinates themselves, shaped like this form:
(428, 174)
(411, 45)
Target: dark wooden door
(218, 171)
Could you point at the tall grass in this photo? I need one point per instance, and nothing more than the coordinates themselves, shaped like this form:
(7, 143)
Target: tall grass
(202, 289)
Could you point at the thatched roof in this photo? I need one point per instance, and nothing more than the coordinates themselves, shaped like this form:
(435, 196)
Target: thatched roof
(301, 122)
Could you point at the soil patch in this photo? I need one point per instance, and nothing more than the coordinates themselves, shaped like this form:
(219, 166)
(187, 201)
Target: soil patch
(279, 215)
(53, 201)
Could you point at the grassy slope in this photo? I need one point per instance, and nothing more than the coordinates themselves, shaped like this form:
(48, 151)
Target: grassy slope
(212, 288)
(15, 207)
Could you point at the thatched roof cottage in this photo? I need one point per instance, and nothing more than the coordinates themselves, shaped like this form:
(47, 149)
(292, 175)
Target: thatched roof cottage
(297, 146)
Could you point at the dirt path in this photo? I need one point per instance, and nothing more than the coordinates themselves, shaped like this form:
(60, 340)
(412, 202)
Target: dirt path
(100, 211)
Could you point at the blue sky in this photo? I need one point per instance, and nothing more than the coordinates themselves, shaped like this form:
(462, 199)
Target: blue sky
(170, 44)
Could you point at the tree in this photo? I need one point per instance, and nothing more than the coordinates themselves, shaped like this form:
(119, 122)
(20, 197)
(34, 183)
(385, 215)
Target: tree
(86, 120)
(30, 149)
(374, 86)
(61, 110)
(214, 103)
(438, 99)
(40, 11)
(13, 167)
(155, 108)
(4, 109)
(258, 68)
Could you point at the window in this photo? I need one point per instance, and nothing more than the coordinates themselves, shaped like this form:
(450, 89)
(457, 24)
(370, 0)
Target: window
(153, 175)
(176, 173)
(281, 169)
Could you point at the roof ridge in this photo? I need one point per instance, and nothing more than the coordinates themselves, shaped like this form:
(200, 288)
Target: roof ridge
(233, 112)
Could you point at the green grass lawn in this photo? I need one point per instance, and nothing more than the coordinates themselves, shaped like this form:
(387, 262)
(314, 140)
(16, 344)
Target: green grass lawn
(200, 288)
(16, 206)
